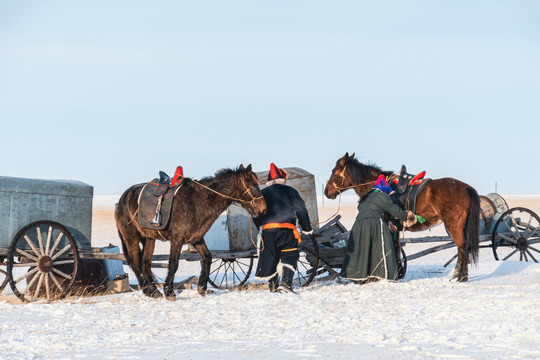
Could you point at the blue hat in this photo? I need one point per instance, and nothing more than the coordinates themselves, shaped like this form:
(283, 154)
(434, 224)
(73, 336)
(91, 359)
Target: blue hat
(382, 185)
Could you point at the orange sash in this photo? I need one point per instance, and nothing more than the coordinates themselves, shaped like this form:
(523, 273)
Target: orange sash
(284, 226)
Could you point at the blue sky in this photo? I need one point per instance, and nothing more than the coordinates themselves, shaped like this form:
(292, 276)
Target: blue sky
(111, 92)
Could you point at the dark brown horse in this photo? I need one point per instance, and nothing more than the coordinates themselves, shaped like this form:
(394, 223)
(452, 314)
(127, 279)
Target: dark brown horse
(195, 208)
(446, 200)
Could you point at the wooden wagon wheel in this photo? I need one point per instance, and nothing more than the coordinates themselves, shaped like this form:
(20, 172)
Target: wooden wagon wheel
(230, 273)
(517, 236)
(403, 261)
(3, 276)
(42, 261)
(308, 263)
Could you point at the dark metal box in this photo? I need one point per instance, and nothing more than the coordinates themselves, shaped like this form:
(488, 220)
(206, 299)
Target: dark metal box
(23, 201)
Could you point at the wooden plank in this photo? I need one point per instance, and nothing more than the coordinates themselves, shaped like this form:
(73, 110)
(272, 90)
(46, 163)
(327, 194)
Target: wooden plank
(430, 250)
(427, 239)
(217, 254)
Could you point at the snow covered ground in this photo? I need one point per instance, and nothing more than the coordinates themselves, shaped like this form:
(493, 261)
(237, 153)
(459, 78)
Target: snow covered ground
(495, 315)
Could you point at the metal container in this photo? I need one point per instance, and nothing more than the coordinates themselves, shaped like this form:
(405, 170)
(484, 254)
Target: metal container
(492, 206)
(23, 201)
(242, 236)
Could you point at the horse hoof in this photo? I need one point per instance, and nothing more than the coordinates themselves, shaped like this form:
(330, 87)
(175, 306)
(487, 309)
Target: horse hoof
(204, 292)
(171, 297)
(153, 294)
(459, 279)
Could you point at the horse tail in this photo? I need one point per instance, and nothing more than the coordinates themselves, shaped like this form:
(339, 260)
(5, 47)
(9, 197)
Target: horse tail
(472, 228)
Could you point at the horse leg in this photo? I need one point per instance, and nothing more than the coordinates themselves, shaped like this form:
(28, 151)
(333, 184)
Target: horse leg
(174, 257)
(206, 262)
(461, 272)
(131, 239)
(148, 284)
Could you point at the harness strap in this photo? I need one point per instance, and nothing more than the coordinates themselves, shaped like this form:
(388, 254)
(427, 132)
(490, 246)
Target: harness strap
(284, 226)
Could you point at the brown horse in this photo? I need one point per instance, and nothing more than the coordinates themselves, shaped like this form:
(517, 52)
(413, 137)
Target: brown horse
(446, 200)
(195, 208)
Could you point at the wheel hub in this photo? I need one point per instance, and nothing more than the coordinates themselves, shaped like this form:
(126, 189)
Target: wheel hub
(522, 244)
(45, 263)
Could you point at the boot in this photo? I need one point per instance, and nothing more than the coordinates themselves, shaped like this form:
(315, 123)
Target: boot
(273, 284)
(287, 277)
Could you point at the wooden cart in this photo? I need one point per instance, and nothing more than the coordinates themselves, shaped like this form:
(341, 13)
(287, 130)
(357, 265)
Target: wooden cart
(45, 231)
(512, 234)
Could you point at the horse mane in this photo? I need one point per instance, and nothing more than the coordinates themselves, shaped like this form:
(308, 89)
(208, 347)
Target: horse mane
(359, 172)
(225, 176)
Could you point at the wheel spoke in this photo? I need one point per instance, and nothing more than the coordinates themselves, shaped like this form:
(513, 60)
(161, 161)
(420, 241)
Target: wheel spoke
(534, 232)
(218, 268)
(525, 256)
(236, 277)
(35, 270)
(38, 230)
(26, 264)
(534, 249)
(516, 227)
(61, 273)
(68, 246)
(528, 226)
(28, 255)
(31, 243)
(509, 255)
(64, 262)
(531, 255)
(38, 288)
(56, 243)
(56, 282)
(224, 276)
(47, 286)
(34, 279)
(510, 240)
(49, 234)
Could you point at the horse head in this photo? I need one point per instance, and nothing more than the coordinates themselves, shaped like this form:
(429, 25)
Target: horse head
(250, 197)
(339, 180)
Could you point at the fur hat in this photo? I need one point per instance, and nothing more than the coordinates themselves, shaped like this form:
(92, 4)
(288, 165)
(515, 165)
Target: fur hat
(382, 185)
(276, 173)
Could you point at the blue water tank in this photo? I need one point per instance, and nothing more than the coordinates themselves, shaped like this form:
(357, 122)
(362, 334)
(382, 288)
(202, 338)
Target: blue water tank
(113, 268)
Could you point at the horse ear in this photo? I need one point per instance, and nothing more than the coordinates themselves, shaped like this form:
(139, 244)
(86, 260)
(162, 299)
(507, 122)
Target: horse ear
(343, 159)
(248, 169)
(352, 156)
(241, 167)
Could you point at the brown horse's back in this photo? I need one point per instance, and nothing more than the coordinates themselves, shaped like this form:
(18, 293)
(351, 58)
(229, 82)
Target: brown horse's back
(457, 205)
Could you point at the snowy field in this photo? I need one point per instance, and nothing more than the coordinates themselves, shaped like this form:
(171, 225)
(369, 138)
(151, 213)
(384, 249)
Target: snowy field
(496, 315)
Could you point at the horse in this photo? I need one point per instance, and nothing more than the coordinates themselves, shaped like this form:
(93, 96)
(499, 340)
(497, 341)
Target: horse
(196, 205)
(445, 200)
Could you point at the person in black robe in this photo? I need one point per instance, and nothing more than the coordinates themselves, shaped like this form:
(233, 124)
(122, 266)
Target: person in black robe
(280, 237)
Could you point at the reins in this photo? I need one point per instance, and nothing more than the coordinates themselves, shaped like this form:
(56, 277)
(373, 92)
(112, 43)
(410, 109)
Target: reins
(253, 199)
(340, 190)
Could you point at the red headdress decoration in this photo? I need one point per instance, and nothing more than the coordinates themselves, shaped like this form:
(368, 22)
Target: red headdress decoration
(276, 173)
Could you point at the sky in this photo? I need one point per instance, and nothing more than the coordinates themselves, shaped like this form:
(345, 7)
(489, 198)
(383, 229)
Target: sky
(111, 92)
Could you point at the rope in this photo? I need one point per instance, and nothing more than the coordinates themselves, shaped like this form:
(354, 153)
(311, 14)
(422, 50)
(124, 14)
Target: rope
(229, 197)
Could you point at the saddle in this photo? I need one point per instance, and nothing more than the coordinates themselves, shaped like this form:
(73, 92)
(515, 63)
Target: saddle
(156, 199)
(408, 186)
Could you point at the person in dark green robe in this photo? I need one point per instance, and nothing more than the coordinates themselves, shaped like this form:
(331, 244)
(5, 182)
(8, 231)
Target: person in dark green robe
(371, 254)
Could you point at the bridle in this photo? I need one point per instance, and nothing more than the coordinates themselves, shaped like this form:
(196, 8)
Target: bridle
(247, 190)
(343, 188)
